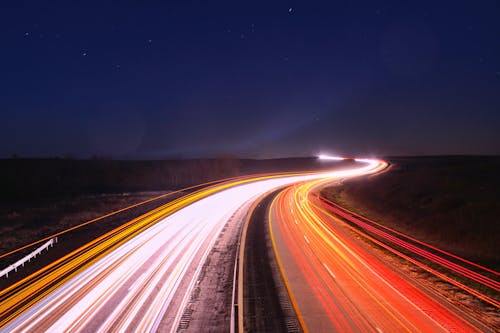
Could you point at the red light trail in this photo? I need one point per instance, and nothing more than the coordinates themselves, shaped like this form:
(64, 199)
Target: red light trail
(337, 282)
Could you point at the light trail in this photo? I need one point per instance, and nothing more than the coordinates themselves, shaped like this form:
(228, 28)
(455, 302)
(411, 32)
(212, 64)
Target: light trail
(425, 253)
(339, 284)
(135, 277)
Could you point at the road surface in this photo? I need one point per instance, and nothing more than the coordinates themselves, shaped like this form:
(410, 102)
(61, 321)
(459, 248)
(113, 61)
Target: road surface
(138, 277)
(338, 283)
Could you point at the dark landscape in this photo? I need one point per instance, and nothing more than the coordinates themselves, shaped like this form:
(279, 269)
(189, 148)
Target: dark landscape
(41, 197)
(449, 201)
(42, 179)
(265, 166)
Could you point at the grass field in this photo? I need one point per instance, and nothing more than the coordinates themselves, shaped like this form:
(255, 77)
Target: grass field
(452, 202)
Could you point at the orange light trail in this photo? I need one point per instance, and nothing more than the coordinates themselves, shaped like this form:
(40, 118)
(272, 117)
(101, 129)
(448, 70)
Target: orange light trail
(339, 284)
(422, 251)
(126, 279)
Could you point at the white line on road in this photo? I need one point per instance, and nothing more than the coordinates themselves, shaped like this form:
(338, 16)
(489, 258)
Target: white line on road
(329, 271)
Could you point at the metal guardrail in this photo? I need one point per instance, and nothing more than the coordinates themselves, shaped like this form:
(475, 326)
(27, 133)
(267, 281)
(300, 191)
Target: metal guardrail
(234, 303)
(13, 267)
(236, 320)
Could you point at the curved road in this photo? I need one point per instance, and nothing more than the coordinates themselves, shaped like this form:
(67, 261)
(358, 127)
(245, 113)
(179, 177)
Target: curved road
(138, 277)
(338, 283)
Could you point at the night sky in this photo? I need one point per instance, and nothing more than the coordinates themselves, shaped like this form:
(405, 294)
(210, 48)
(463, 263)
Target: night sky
(155, 79)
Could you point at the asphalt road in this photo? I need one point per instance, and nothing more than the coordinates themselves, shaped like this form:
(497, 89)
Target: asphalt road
(139, 276)
(338, 283)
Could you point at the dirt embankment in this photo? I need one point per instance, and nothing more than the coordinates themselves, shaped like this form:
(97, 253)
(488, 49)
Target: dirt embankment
(450, 202)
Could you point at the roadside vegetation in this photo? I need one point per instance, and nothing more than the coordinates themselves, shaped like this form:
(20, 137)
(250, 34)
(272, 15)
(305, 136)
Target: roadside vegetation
(451, 202)
(22, 224)
(39, 197)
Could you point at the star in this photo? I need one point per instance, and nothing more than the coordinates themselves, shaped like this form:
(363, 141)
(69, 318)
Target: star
(150, 41)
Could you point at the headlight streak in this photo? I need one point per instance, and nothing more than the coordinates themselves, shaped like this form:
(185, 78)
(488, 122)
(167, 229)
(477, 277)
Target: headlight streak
(353, 290)
(127, 279)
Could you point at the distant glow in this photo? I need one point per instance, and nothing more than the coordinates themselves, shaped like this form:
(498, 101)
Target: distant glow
(330, 158)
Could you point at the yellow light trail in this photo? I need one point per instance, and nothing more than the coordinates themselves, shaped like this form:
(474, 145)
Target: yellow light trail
(338, 283)
(127, 278)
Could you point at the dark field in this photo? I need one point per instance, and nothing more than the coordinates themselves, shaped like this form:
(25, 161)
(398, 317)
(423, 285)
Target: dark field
(39, 197)
(22, 180)
(42, 179)
(451, 202)
(23, 223)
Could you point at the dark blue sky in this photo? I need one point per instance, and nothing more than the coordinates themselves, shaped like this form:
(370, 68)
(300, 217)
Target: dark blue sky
(154, 79)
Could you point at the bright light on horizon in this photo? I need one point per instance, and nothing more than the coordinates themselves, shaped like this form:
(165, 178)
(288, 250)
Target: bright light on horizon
(373, 164)
(330, 158)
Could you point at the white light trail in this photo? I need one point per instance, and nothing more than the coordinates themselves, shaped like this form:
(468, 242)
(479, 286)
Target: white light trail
(330, 158)
(133, 287)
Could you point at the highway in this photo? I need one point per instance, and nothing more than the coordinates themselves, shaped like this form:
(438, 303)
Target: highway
(337, 282)
(138, 277)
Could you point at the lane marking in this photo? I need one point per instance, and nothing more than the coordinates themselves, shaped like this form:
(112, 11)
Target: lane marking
(282, 270)
(307, 240)
(329, 271)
